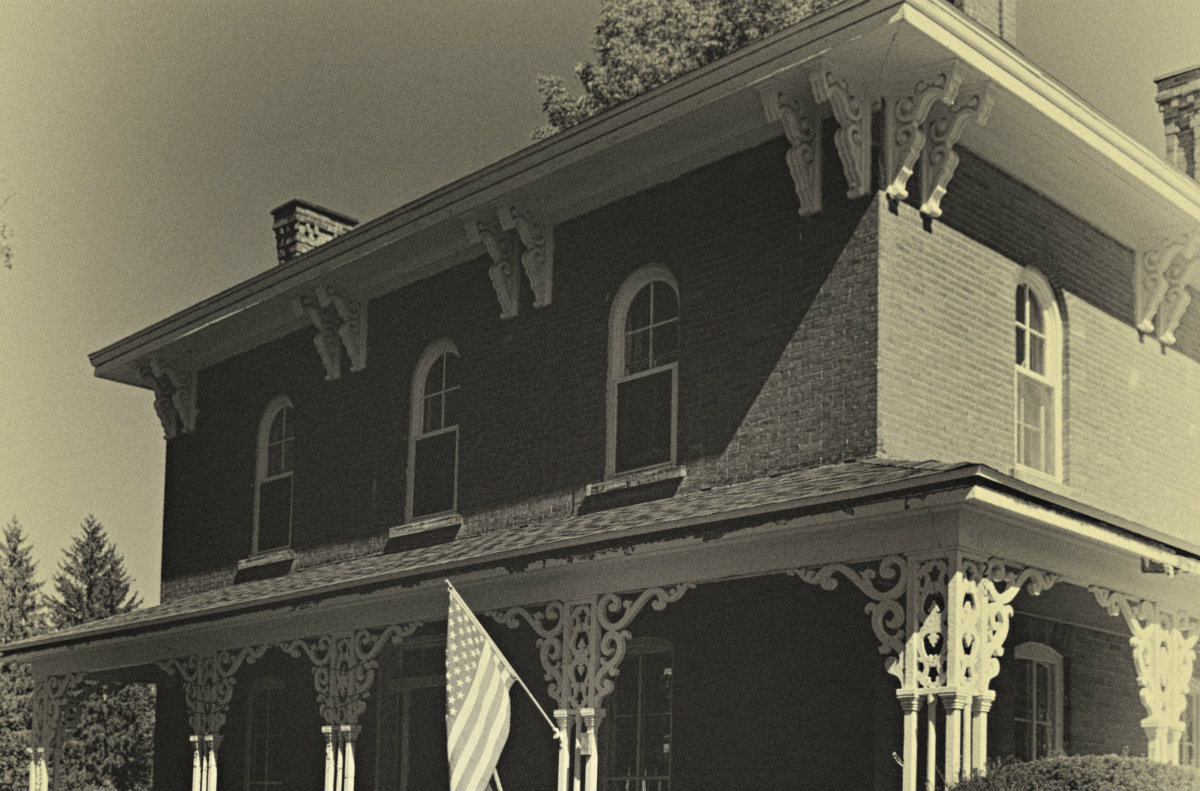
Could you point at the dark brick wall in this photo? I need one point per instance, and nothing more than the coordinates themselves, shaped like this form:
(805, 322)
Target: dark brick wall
(776, 372)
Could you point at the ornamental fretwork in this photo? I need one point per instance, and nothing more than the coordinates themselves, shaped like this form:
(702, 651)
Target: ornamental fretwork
(55, 704)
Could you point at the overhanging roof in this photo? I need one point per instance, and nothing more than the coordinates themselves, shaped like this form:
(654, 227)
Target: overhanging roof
(1039, 131)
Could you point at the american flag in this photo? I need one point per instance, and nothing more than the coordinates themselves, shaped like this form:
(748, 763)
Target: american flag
(477, 706)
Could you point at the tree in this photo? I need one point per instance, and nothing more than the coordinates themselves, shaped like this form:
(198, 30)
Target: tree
(112, 745)
(641, 44)
(20, 617)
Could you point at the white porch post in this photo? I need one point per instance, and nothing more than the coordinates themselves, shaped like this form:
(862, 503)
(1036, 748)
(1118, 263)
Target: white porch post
(349, 733)
(196, 774)
(591, 722)
(910, 704)
(931, 742)
(979, 713)
(563, 719)
(966, 754)
(330, 761)
(211, 744)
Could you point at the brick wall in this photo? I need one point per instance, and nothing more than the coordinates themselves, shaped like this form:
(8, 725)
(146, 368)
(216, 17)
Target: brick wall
(776, 372)
(1131, 441)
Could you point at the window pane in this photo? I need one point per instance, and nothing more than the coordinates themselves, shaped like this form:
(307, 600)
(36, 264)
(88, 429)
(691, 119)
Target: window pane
(644, 421)
(1021, 689)
(451, 363)
(1021, 304)
(1035, 314)
(1035, 423)
(1043, 693)
(625, 758)
(656, 683)
(274, 459)
(666, 343)
(433, 474)
(431, 414)
(287, 455)
(436, 376)
(637, 351)
(1022, 747)
(638, 316)
(625, 690)
(1037, 353)
(656, 745)
(274, 514)
(1020, 346)
(666, 303)
(451, 407)
(279, 426)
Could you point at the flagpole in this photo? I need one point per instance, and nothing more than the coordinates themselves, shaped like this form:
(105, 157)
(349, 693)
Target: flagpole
(504, 659)
(496, 777)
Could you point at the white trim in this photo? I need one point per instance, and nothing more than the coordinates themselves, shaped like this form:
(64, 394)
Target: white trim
(416, 419)
(277, 404)
(1036, 283)
(621, 303)
(1040, 653)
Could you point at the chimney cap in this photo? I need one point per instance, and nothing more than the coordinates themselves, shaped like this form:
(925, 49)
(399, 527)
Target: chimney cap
(1178, 77)
(291, 206)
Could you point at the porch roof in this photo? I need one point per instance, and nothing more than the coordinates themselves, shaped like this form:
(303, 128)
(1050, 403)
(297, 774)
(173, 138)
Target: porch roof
(701, 511)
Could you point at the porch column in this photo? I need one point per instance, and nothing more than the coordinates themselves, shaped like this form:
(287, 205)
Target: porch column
(196, 773)
(1164, 651)
(910, 704)
(330, 761)
(954, 703)
(979, 713)
(591, 723)
(564, 721)
(211, 744)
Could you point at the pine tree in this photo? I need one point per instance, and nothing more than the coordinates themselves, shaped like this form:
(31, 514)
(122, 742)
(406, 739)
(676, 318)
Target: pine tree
(112, 745)
(641, 44)
(20, 617)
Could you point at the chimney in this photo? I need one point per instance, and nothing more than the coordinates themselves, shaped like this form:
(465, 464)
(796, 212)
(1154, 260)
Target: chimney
(300, 226)
(998, 16)
(1178, 99)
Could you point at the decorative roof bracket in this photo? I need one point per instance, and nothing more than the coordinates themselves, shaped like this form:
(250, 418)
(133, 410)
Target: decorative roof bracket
(504, 271)
(943, 129)
(853, 137)
(174, 395)
(1160, 286)
(341, 323)
(906, 109)
(802, 127)
(538, 258)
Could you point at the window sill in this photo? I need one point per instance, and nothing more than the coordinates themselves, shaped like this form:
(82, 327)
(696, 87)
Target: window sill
(425, 531)
(635, 480)
(270, 558)
(1036, 477)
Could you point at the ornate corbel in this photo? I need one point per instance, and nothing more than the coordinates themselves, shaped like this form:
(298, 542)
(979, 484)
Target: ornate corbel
(344, 667)
(944, 128)
(802, 127)
(999, 586)
(1160, 286)
(905, 115)
(852, 111)
(504, 271)
(548, 625)
(174, 395)
(341, 323)
(208, 681)
(1164, 651)
(55, 705)
(538, 258)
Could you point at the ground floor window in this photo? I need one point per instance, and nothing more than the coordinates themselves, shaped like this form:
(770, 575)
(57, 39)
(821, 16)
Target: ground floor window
(412, 735)
(638, 724)
(1038, 711)
(266, 748)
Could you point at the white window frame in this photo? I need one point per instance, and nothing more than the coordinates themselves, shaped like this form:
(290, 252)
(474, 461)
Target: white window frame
(277, 404)
(1042, 654)
(416, 420)
(616, 364)
(1037, 284)
(254, 689)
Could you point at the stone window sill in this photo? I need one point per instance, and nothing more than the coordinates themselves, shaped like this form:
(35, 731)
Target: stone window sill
(424, 532)
(635, 480)
(266, 559)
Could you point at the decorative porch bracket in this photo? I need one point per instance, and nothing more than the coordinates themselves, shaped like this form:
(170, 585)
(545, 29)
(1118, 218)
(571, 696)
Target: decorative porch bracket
(341, 323)
(942, 643)
(943, 129)
(505, 272)
(801, 123)
(208, 681)
(538, 258)
(907, 107)
(853, 137)
(174, 395)
(344, 667)
(1164, 651)
(55, 711)
(1160, 286)
(581, 643)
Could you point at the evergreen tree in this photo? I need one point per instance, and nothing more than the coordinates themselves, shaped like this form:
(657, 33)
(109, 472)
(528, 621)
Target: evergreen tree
(112, 745)
(20, 617)
(640, 44)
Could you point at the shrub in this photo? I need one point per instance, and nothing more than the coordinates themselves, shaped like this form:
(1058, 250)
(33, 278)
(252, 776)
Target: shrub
(1085, 773)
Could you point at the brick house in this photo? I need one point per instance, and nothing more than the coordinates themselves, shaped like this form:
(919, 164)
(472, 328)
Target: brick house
(828, 417)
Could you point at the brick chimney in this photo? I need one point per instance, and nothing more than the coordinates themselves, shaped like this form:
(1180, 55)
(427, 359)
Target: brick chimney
(1178, 100)
(300, 226)
(998, 16)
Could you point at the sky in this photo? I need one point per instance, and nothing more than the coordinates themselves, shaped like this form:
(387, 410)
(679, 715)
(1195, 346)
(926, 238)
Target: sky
(143, 145)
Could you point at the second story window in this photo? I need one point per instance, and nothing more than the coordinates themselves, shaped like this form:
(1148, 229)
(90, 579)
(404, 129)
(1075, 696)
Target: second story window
(433, 433)
(1038, 376)
(276, 463)
(643, 376)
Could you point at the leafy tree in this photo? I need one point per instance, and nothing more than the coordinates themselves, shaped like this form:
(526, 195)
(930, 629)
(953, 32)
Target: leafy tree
(640, 44)
(112, 745)
(20, 617)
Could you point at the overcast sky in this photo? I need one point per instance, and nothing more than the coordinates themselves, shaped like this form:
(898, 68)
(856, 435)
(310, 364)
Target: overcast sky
(145, 143)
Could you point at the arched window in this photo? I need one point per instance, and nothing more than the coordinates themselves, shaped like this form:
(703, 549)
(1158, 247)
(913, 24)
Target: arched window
(1038, 707)
(638, 726)
(266, 746)
(273, 489)
(1038, 365)
(643, 371)
(433, 432)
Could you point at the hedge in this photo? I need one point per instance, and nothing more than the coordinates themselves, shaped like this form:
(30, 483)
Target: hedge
(1085, 773)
